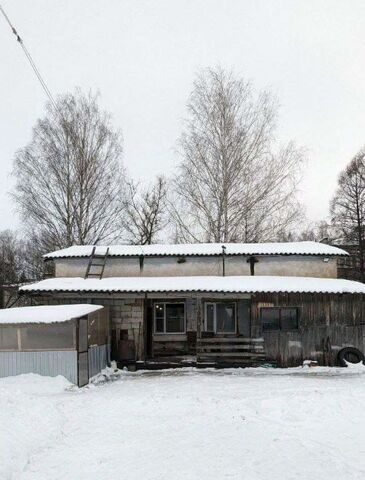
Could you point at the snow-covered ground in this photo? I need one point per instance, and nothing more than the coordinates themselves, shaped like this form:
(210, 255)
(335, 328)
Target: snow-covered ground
(188, 424)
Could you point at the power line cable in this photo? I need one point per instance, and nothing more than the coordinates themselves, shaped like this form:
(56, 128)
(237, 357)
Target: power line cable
(30, 60)
(69, 131)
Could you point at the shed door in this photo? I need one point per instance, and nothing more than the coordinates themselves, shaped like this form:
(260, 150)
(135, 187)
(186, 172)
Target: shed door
(82, 354)
(244, 317)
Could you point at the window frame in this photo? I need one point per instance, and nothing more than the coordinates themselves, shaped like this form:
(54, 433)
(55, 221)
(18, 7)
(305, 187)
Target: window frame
(16, 328)
(280, 329)
(214, 303)
(164, 303)
(20, 341)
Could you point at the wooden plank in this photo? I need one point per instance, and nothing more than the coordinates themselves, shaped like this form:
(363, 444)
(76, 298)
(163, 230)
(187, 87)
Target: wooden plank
(232, 354)
(256, 348)
(170, 337)
(230, 340)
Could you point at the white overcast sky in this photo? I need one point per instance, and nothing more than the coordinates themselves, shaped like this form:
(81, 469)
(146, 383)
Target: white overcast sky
(142, 55)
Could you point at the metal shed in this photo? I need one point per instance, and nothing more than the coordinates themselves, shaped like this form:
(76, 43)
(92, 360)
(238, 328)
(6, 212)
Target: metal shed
(68, 340)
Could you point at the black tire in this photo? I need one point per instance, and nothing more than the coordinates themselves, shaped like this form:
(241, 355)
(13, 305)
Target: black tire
(351, 355)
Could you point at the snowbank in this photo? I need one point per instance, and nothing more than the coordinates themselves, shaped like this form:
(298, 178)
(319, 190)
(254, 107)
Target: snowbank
(186, 424)
(29, 419)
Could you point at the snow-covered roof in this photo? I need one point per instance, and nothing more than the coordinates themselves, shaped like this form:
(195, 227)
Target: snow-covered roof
(231, 284)
(46, 313)
(292, 248)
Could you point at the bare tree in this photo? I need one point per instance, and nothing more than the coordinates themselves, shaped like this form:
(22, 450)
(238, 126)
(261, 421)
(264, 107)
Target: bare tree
(320, 231)
(233, 185)
(348, 206)
(11, 270)
(145, 211)
(68, 178)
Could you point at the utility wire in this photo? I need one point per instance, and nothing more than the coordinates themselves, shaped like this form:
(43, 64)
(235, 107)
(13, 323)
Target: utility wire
(30, 60)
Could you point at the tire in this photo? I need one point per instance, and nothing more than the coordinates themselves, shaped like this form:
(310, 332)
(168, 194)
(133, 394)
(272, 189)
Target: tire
(351, 355)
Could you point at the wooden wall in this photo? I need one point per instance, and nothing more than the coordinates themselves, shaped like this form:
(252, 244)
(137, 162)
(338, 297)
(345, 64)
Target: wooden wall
(327, 323)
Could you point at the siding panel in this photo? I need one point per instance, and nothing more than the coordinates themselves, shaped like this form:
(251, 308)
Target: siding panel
(97, 359)
(50, 363)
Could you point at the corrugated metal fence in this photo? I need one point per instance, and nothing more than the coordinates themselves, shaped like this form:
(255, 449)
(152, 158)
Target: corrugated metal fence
(50, 363)
(97, 359)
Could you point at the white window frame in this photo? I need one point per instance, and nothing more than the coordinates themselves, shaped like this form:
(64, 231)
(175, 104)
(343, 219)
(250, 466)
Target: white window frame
(164, 318)
(215, 317)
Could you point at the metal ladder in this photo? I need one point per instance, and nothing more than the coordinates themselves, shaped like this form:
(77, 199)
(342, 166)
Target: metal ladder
(96, 265)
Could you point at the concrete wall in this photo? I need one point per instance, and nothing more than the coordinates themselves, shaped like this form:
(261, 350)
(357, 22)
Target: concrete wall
(293, 265)
(128, 315)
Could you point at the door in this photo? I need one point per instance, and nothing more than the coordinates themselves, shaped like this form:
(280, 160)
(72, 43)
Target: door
(148, 319)
(82, 353)
(244, 318)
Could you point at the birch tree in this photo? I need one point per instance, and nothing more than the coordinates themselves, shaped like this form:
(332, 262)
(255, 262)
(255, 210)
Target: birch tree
(68, 178)
(234, 183)
(145, 211)
(348, 206)
(11, 270)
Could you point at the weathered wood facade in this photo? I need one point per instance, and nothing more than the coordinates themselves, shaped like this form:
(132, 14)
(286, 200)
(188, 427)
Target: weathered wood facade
(326, 324)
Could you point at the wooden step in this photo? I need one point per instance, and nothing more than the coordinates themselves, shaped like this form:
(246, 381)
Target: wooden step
(232, 354)
(255, 348)
(230, 340)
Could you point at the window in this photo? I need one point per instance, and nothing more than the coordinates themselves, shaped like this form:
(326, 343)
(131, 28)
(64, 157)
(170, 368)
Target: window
(55, 336)
(220, 317)
(169, 317)
(274, 318)
(8, 338)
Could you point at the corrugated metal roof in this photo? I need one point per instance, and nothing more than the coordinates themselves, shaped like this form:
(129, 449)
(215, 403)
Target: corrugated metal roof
(231, 284)
(45, 313)
(201, 249)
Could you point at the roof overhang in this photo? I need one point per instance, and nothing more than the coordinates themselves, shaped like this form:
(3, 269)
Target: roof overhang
(201, 250)
(45, 313)
(201, 284)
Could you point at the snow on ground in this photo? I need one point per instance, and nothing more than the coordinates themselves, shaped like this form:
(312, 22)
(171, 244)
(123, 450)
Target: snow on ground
(186, 424)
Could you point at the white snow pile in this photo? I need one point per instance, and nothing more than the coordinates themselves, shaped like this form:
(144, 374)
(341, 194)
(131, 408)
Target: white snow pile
(254, 424)
(46, 313)
(30, 419)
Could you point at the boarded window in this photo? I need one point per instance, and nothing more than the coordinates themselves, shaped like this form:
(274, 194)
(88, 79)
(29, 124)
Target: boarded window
(169, 317)
(285, 318)
(8, 338)
(55, 336)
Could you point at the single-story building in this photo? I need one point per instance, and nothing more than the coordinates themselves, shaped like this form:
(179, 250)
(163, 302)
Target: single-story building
(68, 340)
(213, 304)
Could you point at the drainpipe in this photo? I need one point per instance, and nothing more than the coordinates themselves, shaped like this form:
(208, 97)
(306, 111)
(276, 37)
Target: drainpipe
(141, 262)
(224, 260)
(252, 261)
